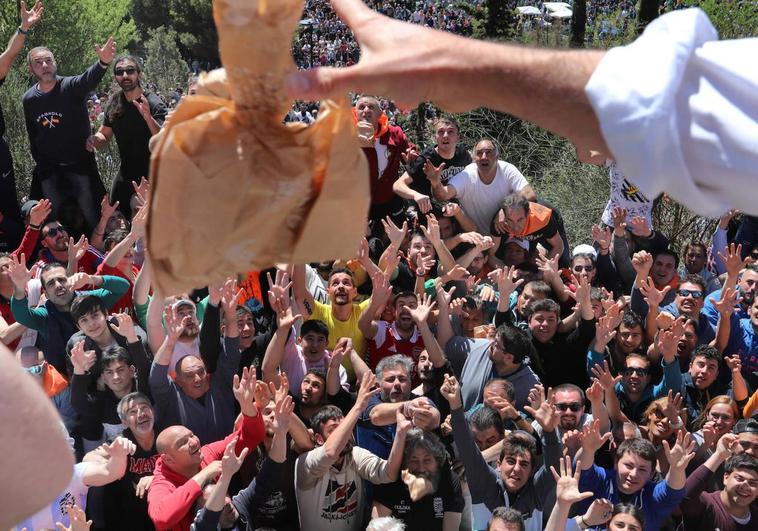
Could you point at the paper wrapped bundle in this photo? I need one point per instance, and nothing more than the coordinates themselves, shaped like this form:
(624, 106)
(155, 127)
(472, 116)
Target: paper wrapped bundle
(235, 189)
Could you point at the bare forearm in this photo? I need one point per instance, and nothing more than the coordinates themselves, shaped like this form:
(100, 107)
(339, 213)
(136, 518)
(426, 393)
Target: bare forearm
(119, 251)
(395, 459)
(432, 347)
(385, 414)
(273, 356)
(217, 497)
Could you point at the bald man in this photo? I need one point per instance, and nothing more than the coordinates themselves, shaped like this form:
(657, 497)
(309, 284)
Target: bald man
(184, 466)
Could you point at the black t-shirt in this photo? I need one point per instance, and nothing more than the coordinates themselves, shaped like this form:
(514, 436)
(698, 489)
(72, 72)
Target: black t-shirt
(428, 512)
(421, 184)
(2, 118)
(539, 236)
(132, 135)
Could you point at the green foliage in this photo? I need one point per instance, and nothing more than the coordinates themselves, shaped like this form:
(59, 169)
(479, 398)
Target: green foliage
(193, 22)
(149, 14)
(164, 65)
(733, 19)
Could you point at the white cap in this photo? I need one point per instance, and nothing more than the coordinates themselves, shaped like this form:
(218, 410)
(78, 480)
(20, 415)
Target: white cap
(585, 249)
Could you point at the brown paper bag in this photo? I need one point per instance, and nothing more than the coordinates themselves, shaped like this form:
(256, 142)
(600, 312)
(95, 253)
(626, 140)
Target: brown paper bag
(235, 189)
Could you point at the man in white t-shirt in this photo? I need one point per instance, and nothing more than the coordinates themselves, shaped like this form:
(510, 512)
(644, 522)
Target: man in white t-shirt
(482, 185)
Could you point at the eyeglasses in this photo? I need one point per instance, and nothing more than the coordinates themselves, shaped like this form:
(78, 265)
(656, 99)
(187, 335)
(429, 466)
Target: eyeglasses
(658, 413)
(129, 70)
(628, 371)
(573, 406)
(695, 294)
(587, 268)
(52, 232)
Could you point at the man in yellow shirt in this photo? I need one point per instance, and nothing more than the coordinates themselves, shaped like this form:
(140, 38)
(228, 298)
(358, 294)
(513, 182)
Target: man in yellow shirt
(340, 315)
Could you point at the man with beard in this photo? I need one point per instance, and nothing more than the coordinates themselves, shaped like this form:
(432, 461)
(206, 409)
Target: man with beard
(510, 312)
(747, 283)
(744, 342)
(377, 425)
(700, 384)
(615, 344)
(58, 125)
(196, 399)
(569, 401)
(447, 156)
(329, 480)
(695, 263)
(55, 243)
(185, 464)
(660, 269)
(516, 479)
(125, 501)
(133, 116)
(53, 321)
(341, 315)
(481, 186)
(428, 495)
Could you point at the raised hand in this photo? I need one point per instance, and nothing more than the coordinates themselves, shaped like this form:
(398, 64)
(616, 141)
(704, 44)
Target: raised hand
(583, 290)
(602, 237)
(175, 324)
(546, 415)
(567, 484)
(605, 331)
(106, 209)
(619, 220)
(642, 261)
(432, 229)
(230, 296)
(604, 376)
(409, 156)
(664, 320)
(81, 359)
(18, 272)
(39, 212)
(505, 408)
(443, 297)
(367, 389)
(728, 302)
(362, 254)
(284, 387)
(451, 390)
(536, 396)
(382, 289)
(592, 441)
(487, 294)
(29, 17)
(76, 515)
(595, 392)
(506, 280)
(125, 327)
(139, 222)
(727, 444)
(230, 462)
(734, 362)
(572, 441)
(392, 260)
(732, 259)
(640, 227)
(653, 296)
(680, 455)
(107, 52)
(341, 349)
(433, 172)
(142, 189)
(548, 266)
(78, 249)
(424, 264)
(599, 512)
(244, 389)
(458, 272)
(667, 343)
(283, 414)
(395, 234)
(673, 407)
(279, 289)
(421, 312)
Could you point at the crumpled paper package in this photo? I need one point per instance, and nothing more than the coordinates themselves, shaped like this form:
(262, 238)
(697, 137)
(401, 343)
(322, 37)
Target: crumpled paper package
(235, 189)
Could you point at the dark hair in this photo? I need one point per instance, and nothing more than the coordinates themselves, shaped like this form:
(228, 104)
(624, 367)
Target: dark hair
(112, 354)
(342, 270)
(113, 238)
(403, 294)
(485, 418)
(570, 388)
(86, 304)
(668, 252)
(446, 119)
(632, 320)
(136, 395)
(638, 355)
(242, 309)
(473, 302)
(707, 352)
(509, 515)
(324, 415)
(742, 460)
(316, 326)
(694, 279)
(427, 440)
(696, 244)
(519, 442)
(516, 342)
(318, 373)
(637, 446)
(632, 510)
(539, 286)
(47, 267)
(515, 200)
(510, 391)
(543, 305)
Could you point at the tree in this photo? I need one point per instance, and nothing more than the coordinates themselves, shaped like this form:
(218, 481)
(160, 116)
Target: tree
(196, 31)
(501, 22)
(164, 65)
(578, 23)
(150, 14)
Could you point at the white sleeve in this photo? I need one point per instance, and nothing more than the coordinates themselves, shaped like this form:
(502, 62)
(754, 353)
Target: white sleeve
(677, 108)
(459, 181)
(513, 176)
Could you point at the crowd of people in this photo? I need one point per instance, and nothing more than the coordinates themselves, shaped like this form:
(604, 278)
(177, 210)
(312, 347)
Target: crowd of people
(467, 368)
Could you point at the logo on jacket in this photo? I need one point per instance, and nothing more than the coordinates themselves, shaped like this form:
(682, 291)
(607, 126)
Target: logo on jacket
(50, 120)
(339, 500)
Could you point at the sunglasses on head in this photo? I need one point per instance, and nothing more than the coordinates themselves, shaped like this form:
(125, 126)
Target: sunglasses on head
(53, 231)
(573, 406)
(587, 268)
(129, 70)
(628, 371)
(754, 255)
(696, 294)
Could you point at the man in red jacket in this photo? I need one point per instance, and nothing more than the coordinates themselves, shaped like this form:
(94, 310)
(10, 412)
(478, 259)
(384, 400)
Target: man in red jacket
(184, 466)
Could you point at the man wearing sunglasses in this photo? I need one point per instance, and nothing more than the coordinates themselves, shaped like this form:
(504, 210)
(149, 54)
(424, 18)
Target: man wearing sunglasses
(133, 116)
(55, 242)
(688, 302)
(58, 125)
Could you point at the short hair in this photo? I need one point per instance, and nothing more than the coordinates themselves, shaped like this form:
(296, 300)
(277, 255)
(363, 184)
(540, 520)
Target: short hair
(403, 294)
(515, 200)
(487, 139)
(242, 309)
(668, 252)
(113, 238)
(316, 326)
(35, 50)
(510, 391)
(426, 440)
(324, 415)
(390, 362)
(114, 353)
(637, 446)
(86, 304)
(707, 352)
(124, 402)
(694, 279)
(485, 418)
(632, 510)
(539, 286)
(742, 460)
(448, 120)
(632, 320)
(516, 342)
(318, 373)
(473, 302)
(519, 442)
(696, 244)
(543, 305)
(509, 515)
(47, 267)
(597, 294)
(385, 523)
(344, 271)
(569, 387)
(638, 355)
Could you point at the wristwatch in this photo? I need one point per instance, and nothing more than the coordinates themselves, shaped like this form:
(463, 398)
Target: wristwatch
(21, 31)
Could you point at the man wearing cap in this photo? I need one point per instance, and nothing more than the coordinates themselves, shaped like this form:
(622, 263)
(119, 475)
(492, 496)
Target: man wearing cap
(747, 436)
(512, 253)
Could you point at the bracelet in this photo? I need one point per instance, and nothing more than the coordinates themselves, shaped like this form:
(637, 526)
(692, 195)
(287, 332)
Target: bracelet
(103, 65)
(584, 522)
(35, 227)
(21, 31)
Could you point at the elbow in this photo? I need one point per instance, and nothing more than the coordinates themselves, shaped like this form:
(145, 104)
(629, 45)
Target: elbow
(374, 417)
